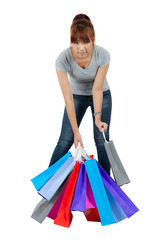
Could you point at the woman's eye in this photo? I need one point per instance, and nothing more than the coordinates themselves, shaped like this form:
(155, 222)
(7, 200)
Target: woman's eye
(85, 42)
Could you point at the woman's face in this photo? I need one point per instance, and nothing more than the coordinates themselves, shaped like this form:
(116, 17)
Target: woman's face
(82, 50)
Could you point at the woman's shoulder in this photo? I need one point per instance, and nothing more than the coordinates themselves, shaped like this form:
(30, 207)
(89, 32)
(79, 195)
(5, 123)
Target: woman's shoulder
(100, 50)
(64, 54)
(63, 60)
(102, 55)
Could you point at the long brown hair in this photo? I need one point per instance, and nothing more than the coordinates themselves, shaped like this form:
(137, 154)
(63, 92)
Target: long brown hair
(82, 29)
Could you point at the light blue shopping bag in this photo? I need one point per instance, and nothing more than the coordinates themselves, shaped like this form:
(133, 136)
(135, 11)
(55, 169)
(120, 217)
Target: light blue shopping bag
(117, 211)
(43, 177)
(99, 192)
(51, 186)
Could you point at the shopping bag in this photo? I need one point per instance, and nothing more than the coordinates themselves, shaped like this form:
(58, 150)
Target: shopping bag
(43, 177)
(92, 215)
(118, 194)
(79, 199)
(54, 211)
(65, 216)
(44, 206)
(51, 186)
(91, 212)
(90, 201)
(100, 196)
(117, 167)
(117, 211)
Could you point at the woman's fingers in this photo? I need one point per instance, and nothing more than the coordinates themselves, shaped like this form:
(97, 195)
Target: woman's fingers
(81, 143)
(75, 143)
(78, 139)
(103, 126)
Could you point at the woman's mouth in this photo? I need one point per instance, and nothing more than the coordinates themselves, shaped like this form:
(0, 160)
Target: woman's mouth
(82, 53)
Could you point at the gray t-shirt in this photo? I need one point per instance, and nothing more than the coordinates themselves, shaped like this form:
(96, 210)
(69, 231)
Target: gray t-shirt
(82, 80)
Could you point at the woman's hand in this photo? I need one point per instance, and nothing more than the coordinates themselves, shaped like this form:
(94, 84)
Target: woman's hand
(101, 125)
(78, 139)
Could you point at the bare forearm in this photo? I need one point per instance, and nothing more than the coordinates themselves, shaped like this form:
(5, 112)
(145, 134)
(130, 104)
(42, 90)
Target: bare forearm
(71, 114)
(97, 102)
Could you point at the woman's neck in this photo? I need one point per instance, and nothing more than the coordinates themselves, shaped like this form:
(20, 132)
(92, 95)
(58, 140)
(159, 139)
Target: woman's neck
(85, 62)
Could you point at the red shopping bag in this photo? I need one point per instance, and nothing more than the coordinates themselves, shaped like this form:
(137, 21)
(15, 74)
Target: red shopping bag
(64, 217)
(92, 214)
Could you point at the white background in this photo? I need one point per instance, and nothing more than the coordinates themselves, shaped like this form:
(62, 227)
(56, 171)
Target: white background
(33, 33)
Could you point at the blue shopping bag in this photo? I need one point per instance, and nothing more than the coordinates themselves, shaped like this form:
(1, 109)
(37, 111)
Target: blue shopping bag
(51, 186)
(99, 192)
(43, 177)
(117, 211)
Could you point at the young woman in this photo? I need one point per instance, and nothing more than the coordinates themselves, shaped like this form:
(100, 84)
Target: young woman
(87, 64)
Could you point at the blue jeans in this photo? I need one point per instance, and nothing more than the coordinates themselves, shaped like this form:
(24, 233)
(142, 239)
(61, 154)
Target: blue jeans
(66, 138)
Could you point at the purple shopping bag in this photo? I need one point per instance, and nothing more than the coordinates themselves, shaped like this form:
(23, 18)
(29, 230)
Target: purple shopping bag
(121, 198)
(79, 199)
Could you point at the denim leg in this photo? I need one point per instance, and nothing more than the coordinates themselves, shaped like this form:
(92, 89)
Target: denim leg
(66, 138)
(98, 136)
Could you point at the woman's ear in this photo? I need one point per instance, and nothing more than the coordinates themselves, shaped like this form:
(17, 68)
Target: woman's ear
(94, 39)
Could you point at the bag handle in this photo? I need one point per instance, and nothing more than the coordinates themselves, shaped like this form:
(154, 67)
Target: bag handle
(79, 153)
(75, 154)
(102, 130)
(85, 154)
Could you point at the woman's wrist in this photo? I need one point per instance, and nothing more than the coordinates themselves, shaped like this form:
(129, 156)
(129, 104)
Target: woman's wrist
(97, 118)
(75, 131)
(96, 113)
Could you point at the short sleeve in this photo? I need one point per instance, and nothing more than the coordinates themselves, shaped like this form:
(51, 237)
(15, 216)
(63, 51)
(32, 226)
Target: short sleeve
(61, 63)
(105, 57)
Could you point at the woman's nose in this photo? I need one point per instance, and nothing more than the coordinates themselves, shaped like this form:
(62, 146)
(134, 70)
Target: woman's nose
(81, 46)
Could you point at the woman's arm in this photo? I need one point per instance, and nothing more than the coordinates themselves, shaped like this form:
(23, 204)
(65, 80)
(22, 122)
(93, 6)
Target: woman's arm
(69, 102)
(98, 95)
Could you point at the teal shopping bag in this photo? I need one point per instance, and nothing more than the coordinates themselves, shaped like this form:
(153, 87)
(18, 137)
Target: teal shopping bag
(43, 177)
(99, 192)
